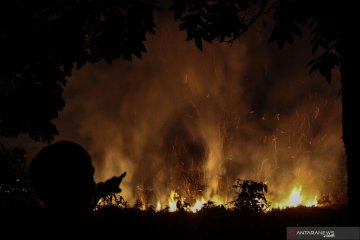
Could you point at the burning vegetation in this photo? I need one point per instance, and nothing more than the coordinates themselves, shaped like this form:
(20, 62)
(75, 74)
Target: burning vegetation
(250, 197)
(186, 125)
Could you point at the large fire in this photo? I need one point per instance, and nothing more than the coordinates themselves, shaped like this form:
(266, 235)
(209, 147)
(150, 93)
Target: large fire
(175, 202)
(297, 198)
(185, 125)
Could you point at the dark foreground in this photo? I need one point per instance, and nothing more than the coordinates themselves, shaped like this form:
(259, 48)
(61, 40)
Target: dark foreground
(214, 223)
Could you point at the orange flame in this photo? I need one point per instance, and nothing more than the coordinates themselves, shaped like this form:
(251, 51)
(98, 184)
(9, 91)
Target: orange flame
(297, 198)
(174, 200)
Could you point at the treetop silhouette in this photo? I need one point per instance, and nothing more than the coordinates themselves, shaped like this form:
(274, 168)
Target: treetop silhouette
(42, 42)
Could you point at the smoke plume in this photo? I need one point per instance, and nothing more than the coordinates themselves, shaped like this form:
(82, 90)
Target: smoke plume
(180, 119)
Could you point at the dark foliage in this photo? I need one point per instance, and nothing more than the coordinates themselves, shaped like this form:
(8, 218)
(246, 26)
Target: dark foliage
(138, 204)
(41, 42)
(14, 183)
(250, 196)
(226, 21)
(110, 187)
(112, 199)
(216, 20)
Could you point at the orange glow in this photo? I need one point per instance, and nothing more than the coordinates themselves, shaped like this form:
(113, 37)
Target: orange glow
(158, 206)
(197, 205)
(297, 198)
(175, 201)
(172, 201)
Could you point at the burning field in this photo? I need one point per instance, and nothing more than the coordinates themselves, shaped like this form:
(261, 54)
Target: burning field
(185, 124)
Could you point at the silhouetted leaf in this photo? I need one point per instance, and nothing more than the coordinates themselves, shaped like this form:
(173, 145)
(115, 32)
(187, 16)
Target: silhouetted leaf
(53, 38)
(198, 43)
(315, 47)
(183, 26)
(289, 37)
(179, 7)
(281, 42)
(297, 30)
(250, 196)
(324, 64)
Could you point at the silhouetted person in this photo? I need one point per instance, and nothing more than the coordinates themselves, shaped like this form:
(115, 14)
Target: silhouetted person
(62, 175)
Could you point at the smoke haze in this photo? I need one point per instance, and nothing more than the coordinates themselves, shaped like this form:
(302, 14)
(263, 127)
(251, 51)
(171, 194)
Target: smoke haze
(194, 122)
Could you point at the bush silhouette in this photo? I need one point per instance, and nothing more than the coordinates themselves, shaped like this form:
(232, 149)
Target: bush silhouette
(250, 196)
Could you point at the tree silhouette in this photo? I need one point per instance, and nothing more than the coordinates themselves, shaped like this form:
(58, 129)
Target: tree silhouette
(333, 28)
(250, 196)
(41, 42)
(14, 184)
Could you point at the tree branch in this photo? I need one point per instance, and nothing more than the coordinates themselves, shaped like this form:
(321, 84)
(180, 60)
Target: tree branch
(250, 23)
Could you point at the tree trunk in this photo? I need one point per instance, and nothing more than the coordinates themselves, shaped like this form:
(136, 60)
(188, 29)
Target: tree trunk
(348, 50)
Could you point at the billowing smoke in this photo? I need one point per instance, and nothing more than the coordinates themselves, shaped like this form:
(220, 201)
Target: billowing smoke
(194, 122)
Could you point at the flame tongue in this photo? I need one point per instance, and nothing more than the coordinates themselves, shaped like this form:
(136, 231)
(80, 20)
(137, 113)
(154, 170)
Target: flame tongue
(297, 198)
(198, 205)
(158, 206)
(175, 202)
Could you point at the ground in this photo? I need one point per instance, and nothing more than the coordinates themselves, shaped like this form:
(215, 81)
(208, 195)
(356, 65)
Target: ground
(213, 223)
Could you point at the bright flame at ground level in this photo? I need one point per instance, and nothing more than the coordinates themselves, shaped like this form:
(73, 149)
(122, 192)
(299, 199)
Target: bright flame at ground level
(297, 198)
(175, 202)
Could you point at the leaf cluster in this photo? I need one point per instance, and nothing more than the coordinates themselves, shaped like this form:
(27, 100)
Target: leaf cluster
(250, 196)
(226, 21)
(42, 42)
(216, 20)
(112, 200)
